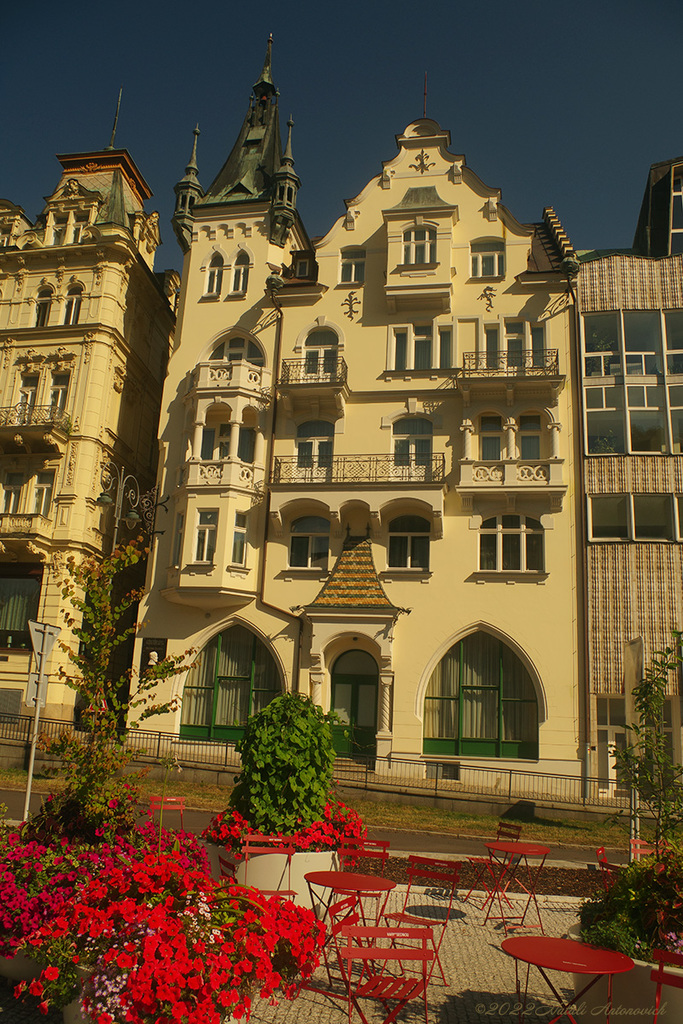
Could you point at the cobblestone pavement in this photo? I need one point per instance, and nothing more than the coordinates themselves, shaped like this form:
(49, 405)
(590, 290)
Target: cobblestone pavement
(481, 977)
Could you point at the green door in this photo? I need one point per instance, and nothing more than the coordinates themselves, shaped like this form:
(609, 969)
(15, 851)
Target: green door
(354, 701)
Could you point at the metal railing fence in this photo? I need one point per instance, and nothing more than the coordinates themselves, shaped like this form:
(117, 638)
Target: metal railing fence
(429, 777)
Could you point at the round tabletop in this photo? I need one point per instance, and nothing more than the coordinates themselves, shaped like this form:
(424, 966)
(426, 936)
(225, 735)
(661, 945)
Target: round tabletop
(566, 955)
(521, 849)
(350, 881)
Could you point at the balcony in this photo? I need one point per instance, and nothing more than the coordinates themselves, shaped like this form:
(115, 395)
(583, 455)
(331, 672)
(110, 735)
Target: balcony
(33, 428)
(18, 531)
(512, 478)
(222, 378)
(219, 474)
(321, 380)
(377, 470)
(528, 371)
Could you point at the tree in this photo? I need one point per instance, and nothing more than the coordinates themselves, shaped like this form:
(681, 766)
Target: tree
(97, 799)
(646, 763)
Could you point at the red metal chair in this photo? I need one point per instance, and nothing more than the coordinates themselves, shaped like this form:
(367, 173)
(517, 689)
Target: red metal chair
(640, 848)
(482, 865)
(376, 979)
(167, 803)
(663, 977)
(255, 845)
(436, 873)
(608, 872)
(350, 853)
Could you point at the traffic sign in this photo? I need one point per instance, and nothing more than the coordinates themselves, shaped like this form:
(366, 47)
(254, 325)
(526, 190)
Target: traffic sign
(43, 636)
(36, 690)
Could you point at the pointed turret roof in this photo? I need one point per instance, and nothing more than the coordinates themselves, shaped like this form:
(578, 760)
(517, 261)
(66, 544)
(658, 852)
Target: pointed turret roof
(113, 210)
(353, 582)
(248, 173)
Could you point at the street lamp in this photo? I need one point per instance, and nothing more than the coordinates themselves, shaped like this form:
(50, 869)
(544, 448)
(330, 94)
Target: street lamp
(125, 486)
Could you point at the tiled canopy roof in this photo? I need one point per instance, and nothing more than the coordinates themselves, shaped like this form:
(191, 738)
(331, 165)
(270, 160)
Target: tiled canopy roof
(353, 582)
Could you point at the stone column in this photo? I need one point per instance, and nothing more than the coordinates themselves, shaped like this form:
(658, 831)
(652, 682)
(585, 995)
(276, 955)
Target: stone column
(467, 429)
(555, 429)
(197, 441)
(234, 439)
(511, 445)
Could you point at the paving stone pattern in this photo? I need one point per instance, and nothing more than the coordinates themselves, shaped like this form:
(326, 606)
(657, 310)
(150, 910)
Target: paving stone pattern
(481, 977)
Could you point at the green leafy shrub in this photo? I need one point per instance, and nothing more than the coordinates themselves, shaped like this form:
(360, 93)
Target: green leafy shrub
(642, 911)
(287, 763)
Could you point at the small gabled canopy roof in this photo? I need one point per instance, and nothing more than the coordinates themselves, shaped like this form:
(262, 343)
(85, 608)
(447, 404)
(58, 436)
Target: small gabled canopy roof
(353, 582)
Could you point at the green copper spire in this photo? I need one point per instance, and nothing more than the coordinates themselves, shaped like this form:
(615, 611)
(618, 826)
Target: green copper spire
(283, 202)
(187, 191)
(265, 86)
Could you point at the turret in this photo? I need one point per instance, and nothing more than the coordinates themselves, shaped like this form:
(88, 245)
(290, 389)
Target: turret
(187, 191)
(283, 202)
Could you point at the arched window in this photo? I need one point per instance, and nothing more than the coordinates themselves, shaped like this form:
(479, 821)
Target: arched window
(240, 274)
(309, 543)
(214, 280)
(72, 310)
(234, 677)
(238, 348)
(413, 442)
(511, 544)
(43, 306)
(409, 543)
(314, 446)
(481, 701)
(321, 352)
(419, 245)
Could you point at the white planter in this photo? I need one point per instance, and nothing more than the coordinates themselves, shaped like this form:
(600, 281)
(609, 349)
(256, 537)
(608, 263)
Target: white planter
(19, 967)
(633, 994)
(271, 871)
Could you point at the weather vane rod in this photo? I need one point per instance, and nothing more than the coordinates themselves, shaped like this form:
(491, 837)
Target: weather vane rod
(424, 104)
(116, 120)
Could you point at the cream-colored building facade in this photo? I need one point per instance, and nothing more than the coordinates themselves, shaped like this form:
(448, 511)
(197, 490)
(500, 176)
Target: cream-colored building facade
(369, 447)
(85, 335)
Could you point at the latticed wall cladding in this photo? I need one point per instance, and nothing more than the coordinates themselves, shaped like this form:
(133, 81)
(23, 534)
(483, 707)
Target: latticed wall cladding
(635, 590)
(635, 474)
(631, 282)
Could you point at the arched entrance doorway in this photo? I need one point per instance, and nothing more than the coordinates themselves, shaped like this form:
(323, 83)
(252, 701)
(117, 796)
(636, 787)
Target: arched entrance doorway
(354, 700)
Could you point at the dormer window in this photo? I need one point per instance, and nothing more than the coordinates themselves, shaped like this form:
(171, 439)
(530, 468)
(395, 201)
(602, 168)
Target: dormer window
(419, 245)
(488, 258)
(59, 231)
(353, 266)
(240, 274)
(301, 268)
(215, 279)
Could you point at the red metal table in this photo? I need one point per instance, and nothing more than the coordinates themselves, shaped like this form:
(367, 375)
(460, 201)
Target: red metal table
(510, 860)
(566, 955)
(345, 883)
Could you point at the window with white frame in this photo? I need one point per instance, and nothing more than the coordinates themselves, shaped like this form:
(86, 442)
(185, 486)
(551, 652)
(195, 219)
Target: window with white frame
(673, 321)
(529, 436)
(215, 442)
(42, 495)
(178, 535)
(605, 419)
(214, 278)
(677, 211)
(59, 227)
(314, 446)
(27, 393)
(59, 390)
(207, 526)
(413, 437)
(72, 309)
(514, 343)
(239, 539)
(488, 258)
(646, 418)
(43, 306)
(240, 276)
(79, 226)
(676, 406)
(491, 438)
(321, 351)
(409, 543)
(246, 445)
(235, 349)
(11, 498)
(642, 342)
(413, 347)
(644, 517)
(309, 543)
(419, 245)
(510, 543)
(353, 266)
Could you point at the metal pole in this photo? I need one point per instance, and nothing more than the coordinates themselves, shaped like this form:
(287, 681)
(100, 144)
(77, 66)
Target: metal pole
(34, 738)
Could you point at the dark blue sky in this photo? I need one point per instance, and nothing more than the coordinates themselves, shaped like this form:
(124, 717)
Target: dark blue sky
(556, 104)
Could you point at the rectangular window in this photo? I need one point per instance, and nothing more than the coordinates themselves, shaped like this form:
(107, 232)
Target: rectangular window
(400, 350)
(353, 266)
(642, 343)
(530, 437)
(208, 440)
(652, 517)
(609, 517)
(646, 418)
(492, 348)
(239, 539)
(423, 348)
(19, 594)
(43, 493)
(178, 538)
(246, 444)
(12, 492)
(537, 346)
(514, 334)
(59, 391)
(445, 349)
(674, 341)
(605, 420)
(601, 337)
(206, 535)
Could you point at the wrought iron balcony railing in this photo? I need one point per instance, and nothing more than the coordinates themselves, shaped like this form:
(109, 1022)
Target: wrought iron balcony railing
(361, 469)
(529, 363)
(314, 370)
(34, 416)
